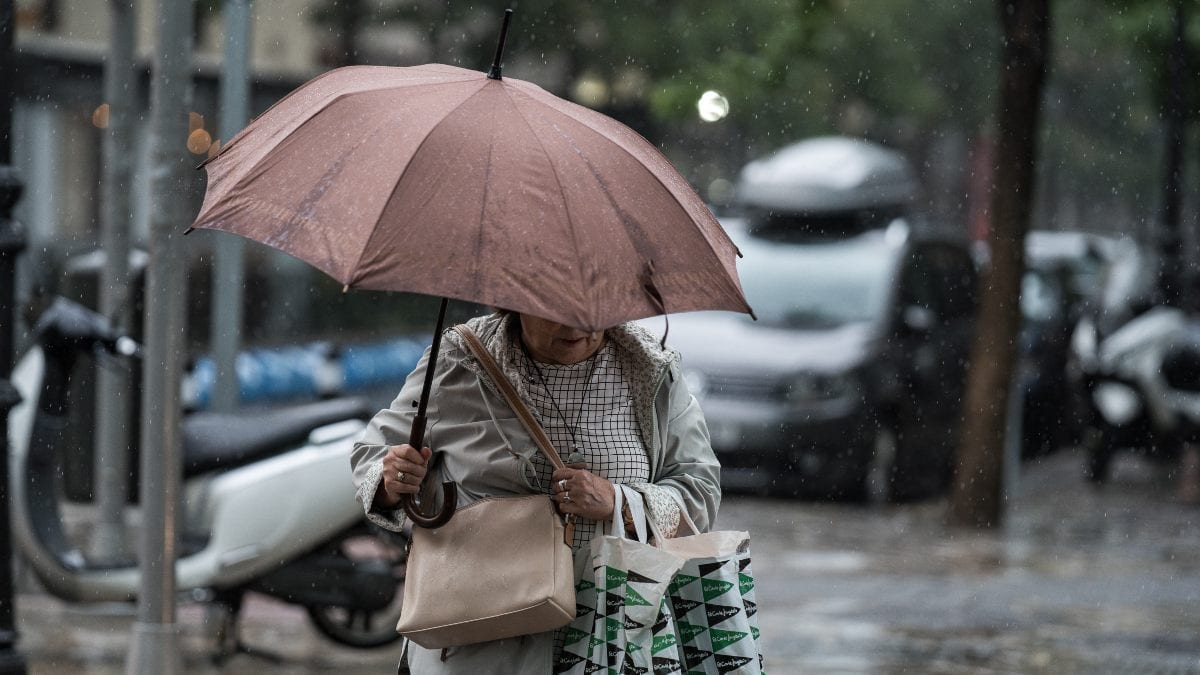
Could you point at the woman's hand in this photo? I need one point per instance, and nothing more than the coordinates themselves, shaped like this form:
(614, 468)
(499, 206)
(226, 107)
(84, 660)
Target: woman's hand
(403, 470)
(583, 493)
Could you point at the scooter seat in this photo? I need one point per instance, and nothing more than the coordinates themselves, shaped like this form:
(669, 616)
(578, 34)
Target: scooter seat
(214, 440)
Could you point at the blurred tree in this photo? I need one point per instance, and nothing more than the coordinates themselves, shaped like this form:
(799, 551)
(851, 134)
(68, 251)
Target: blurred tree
(976, 497)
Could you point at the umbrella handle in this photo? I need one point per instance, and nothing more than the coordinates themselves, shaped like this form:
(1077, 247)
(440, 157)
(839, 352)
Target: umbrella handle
(437, 518)
(412, 506)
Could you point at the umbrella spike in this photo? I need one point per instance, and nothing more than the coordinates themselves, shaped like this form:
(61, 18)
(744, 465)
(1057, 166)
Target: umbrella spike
(494, 72)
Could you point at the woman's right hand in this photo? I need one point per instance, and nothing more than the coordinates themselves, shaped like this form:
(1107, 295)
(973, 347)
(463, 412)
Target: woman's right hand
(403, 470)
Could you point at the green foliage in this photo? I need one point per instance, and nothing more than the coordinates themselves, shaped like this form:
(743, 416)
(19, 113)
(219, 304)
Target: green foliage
(901, 72)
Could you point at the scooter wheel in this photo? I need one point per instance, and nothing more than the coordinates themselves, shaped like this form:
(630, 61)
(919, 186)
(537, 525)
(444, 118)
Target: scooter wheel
(360, 628)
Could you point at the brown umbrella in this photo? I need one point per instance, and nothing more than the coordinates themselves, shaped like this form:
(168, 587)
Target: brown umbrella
(449, 182)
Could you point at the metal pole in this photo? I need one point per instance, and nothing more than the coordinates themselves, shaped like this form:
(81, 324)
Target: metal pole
(154, 647)
(228, 273)
(1171, 242)
(113, 390)
(12, 241)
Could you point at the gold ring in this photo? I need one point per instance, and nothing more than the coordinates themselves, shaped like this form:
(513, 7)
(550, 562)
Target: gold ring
(400, 476)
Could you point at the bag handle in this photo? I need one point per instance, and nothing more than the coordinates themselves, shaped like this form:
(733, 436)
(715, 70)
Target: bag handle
(510, 395)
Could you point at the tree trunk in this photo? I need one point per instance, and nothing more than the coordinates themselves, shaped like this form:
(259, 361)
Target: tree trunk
(976, 498)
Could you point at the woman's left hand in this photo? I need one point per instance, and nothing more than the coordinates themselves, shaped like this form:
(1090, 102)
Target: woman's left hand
(583, 493)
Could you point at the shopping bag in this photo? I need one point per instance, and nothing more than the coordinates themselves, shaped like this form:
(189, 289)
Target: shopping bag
(623, 621)
(712, 602)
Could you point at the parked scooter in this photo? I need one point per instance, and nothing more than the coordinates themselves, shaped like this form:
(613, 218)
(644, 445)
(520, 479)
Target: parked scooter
(1126, 374)
(268, 501)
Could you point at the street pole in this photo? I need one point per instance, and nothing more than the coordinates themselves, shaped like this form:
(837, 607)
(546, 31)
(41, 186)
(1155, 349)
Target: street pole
(1171, 240)
(154, 647)
(113, 390)
(12, 241)
(228, 272)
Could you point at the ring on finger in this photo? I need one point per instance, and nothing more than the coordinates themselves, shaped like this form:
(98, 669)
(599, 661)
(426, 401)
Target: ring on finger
(566, 496)
(400, 476)
(562, 485)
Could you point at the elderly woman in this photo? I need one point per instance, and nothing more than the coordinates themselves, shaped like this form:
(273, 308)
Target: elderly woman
(614, 406)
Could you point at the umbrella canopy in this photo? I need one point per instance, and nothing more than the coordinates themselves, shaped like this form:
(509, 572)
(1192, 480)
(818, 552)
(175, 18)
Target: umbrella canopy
(439, 180)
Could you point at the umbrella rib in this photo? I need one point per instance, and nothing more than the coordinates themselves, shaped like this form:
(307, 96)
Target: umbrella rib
(625, 150)
(396, 186)
(557, 178)
(711, 244)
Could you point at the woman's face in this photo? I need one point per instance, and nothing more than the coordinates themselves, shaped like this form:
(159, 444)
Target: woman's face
(552, 342)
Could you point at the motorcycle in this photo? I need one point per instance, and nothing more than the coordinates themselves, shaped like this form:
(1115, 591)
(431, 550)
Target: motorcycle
(1127, 376)
(267, 501)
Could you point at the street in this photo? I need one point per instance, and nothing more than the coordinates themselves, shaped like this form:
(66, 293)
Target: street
(1079, 581)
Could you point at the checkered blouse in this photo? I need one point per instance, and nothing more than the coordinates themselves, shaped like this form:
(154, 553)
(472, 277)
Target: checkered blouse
(589, 421)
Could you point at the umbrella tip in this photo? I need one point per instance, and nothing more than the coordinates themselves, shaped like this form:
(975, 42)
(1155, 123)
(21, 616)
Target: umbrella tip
(188, 231)
(494, 72)
(345, 288)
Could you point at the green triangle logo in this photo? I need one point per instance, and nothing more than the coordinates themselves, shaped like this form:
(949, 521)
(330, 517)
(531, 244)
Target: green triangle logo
(662, 642)
(595, 642)
(714, 588)
(680, 581)
(745, 583)
(755, 632)
(612, 629)
(723, 638)
(634, 598)
(613, 577)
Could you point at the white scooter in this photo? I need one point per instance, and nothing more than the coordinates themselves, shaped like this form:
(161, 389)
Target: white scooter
(268, 501)
(1127, 376)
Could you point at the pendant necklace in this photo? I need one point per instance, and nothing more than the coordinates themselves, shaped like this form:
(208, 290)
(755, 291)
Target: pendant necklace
(576, 447)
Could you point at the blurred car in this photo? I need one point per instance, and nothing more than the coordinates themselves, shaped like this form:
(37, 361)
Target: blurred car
(830, 185)
(854, 368)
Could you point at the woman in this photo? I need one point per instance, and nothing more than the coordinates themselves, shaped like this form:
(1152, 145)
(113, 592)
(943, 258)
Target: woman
(614, 406)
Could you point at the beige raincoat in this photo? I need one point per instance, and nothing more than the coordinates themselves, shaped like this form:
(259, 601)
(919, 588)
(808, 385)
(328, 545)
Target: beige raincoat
(485, 450)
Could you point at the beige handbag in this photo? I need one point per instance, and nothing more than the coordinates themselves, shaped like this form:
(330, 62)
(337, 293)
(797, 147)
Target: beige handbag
(500, 568)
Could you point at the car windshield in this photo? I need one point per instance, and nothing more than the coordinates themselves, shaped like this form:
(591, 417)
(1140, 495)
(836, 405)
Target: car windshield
(817, 285)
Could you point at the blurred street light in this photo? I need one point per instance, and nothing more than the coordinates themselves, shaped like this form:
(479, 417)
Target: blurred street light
(712, 106)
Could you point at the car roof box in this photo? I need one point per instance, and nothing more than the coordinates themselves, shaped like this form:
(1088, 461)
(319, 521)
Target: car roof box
(828, 174)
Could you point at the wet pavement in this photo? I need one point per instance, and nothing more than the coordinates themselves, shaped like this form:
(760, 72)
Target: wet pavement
(1078, 581)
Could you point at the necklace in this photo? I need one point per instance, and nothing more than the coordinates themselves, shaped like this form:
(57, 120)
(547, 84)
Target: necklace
(576, 447)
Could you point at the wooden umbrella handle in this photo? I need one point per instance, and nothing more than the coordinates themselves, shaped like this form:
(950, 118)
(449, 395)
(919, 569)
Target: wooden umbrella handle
(412, 506)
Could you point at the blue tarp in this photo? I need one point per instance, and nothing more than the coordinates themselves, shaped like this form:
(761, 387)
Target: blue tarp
(309, 371)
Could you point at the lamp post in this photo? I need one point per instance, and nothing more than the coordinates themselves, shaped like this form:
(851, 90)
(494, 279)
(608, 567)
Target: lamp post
(12, 241)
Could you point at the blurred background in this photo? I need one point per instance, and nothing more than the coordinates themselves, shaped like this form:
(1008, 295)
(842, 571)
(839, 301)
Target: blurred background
(850, 150)
(714, 86)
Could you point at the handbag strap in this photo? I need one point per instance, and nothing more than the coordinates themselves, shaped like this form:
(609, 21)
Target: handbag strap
(510, 395)
(527, 419)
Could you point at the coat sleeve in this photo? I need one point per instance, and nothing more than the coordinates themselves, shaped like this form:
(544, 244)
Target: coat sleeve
(389, 426)
(688, 475)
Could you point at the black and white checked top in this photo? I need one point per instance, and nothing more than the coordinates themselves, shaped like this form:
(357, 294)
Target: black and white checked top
(607, 439)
